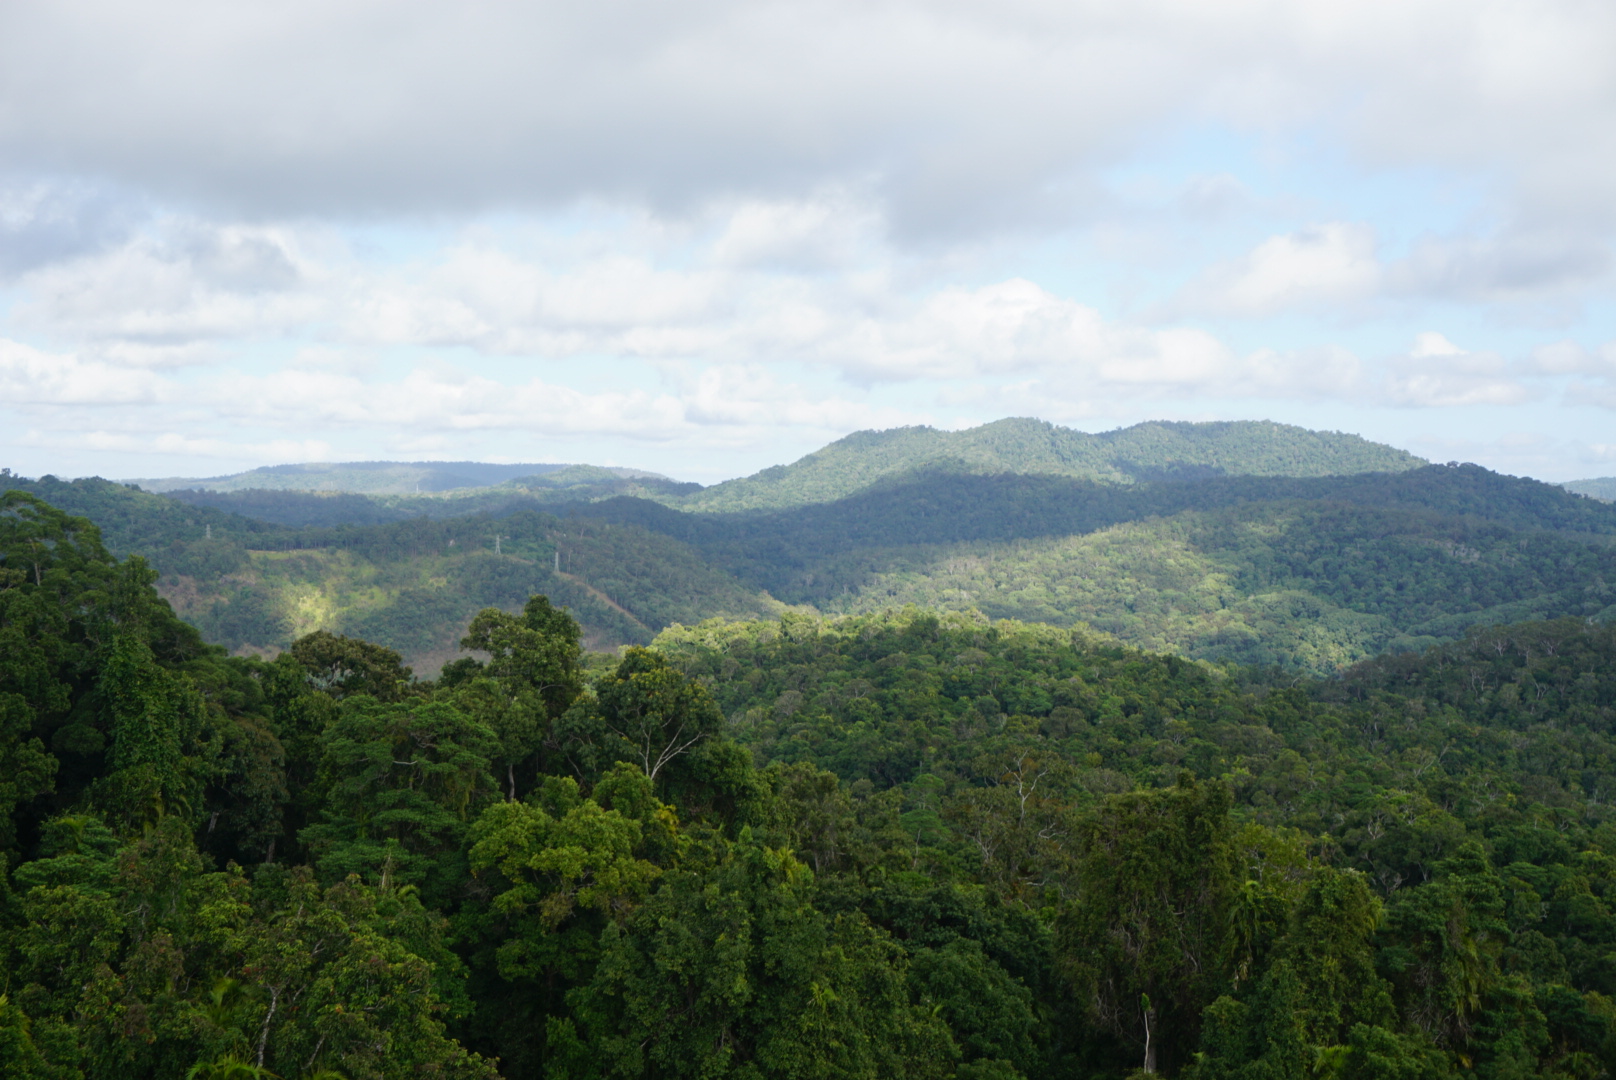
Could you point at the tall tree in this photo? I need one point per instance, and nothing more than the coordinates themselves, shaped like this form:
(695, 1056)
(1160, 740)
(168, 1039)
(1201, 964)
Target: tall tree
(1144, 937)
(531, 678)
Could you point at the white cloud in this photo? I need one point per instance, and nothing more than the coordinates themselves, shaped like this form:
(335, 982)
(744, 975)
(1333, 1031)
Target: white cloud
(181, 445)
(178, 285)
(1436, 372)
(1571, 358)
(1430, 343)
(31, 377)
(810, 234)
(1332, 265)
(1514, 264)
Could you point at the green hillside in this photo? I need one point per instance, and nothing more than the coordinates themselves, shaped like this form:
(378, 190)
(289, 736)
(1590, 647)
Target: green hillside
(1309, 585)
(1156, 450)
(1311, 573)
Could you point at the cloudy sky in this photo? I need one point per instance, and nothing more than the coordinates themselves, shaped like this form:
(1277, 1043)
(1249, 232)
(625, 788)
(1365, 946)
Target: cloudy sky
(707, 236)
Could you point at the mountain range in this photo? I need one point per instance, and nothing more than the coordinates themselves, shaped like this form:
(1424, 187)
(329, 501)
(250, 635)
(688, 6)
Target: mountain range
(1250, 542)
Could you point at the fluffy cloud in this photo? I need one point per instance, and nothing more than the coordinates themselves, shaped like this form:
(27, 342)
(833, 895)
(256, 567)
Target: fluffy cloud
(1327, 265)
(31, 377)
(1436, 372)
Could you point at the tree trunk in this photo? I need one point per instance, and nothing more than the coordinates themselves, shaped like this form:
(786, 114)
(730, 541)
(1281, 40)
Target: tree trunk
(1150, 1045)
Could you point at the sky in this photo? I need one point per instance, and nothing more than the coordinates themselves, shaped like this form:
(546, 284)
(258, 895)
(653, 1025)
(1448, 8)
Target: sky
(710, 236)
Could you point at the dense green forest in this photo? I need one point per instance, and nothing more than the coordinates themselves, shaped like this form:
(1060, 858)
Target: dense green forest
(904, 843)
(1307, 572)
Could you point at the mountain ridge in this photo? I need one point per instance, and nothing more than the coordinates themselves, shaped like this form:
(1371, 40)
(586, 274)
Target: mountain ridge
(1148, 451)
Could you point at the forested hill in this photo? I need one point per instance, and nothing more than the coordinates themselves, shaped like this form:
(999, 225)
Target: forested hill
(1156, 450)
(410, 584)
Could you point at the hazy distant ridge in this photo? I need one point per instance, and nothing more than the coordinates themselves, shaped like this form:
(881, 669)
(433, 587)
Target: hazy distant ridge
(1599, 487)
(371, 477)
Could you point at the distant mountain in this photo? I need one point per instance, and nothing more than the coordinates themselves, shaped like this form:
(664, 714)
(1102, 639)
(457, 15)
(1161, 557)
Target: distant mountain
(1158, 450)
(376, 477)
(568, 484)
(1600, 487)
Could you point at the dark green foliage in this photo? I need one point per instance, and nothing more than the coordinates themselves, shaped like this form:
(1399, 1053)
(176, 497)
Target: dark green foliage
(729, 969)
(343, 666)
(400, 785)
(1144, 933)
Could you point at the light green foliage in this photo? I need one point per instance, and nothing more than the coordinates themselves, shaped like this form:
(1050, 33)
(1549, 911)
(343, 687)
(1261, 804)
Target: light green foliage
(1267, 584)
(585, 858)
(582, 857)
